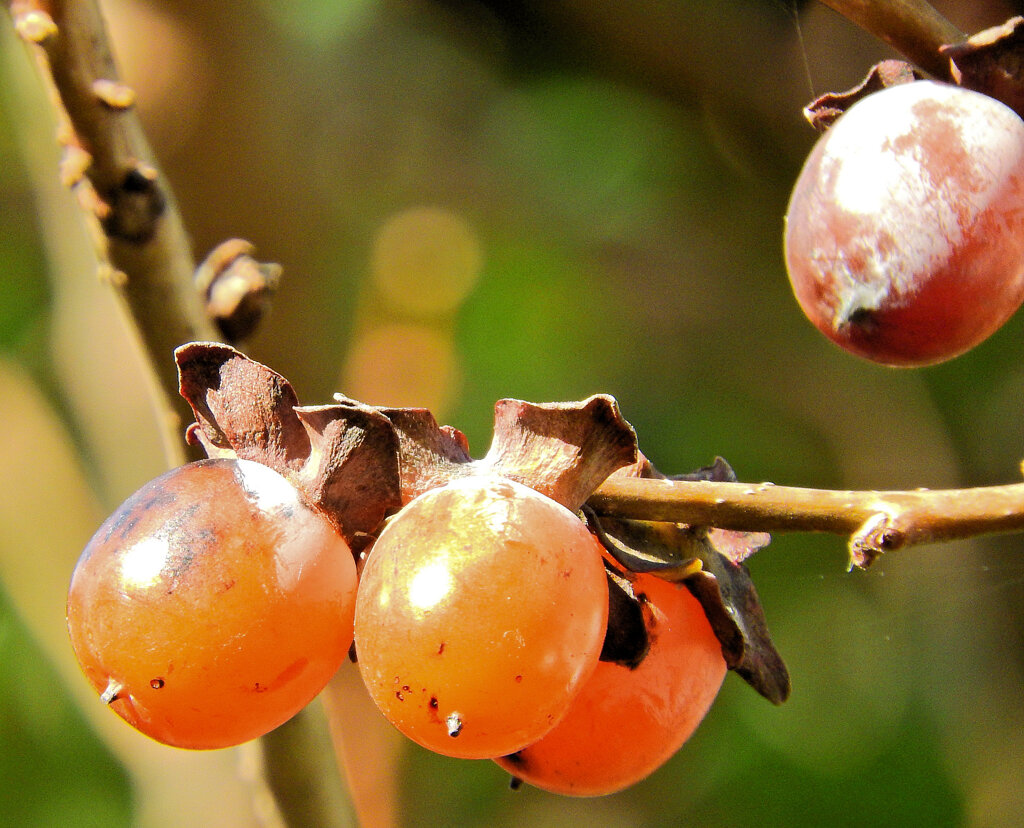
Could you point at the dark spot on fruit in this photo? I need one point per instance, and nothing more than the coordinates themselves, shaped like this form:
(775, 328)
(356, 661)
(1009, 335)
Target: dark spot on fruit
(440, 649)
(519, 679)
(156, 683)
(433, 702)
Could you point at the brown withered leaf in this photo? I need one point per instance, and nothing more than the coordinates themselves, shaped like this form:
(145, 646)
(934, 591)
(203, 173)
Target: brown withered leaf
(722, 586)
(720, 581)
(729, 598)
(992, 62)
(825, 110)
(242, 406)
(626, 640)
(430, 455)
(353, 468)
(344, 459)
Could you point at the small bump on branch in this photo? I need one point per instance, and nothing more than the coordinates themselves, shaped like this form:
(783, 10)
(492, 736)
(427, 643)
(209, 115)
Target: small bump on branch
(236, 287)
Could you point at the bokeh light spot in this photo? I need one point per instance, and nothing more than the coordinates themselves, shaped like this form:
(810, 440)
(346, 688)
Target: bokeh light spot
(426, 260)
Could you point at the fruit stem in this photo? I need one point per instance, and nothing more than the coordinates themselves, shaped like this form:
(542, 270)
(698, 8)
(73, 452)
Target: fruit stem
(912, 27)
(875, 521)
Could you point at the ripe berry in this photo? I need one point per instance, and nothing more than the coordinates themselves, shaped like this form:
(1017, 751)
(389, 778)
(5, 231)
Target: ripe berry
(212, 605)
(905, 231)
(626, 722)
(481, 611)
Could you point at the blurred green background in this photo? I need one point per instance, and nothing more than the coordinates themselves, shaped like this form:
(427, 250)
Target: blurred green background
(475, 200)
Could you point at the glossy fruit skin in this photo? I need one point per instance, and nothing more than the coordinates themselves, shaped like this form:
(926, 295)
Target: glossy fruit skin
(905, 230)
(217, 603)
(626, 723)
(481, 611)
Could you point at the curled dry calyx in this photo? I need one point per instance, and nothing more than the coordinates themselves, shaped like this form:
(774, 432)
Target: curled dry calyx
(492, 602)
(904, 235)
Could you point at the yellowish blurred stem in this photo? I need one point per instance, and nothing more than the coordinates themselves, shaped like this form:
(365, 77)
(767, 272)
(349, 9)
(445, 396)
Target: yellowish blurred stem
(912, 27)
(876, 522)
(368, 747)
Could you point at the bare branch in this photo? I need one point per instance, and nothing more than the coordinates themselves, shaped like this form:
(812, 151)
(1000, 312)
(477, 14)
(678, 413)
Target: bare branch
(876, 522)
(138, 231)
(142, 243)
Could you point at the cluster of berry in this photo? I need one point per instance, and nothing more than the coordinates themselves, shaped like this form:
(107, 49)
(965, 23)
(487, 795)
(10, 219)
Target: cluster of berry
(214, 604)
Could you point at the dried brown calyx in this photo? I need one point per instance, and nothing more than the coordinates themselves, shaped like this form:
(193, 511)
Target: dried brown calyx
(359, 463)
(825, 110)
(709, 561)
(990, 62)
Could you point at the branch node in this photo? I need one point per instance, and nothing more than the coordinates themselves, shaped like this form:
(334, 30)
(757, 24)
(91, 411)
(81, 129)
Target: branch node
(73, 164)
(113, 94)
(136, 206)
(877, 535)
(35, 26)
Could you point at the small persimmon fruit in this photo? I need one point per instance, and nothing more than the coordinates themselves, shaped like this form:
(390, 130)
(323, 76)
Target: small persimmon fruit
(628, 721)
(481, 612)
(212, 605)
(904, 236)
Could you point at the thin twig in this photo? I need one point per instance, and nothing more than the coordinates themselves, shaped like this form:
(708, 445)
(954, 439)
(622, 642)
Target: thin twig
(140, 238)
(912, 27)
(876, 522)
